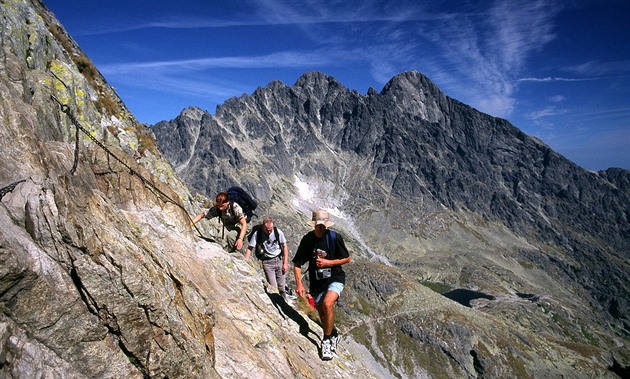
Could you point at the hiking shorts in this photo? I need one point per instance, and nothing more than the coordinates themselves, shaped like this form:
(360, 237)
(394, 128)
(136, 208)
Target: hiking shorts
(334, 286)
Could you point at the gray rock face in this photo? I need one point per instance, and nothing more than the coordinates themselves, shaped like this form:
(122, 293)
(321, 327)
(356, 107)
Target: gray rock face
(100, 274)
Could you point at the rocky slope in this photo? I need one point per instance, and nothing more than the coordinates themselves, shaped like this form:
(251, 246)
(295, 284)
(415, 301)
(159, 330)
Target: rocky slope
(441, 192)
(100, 273)
(101, 276)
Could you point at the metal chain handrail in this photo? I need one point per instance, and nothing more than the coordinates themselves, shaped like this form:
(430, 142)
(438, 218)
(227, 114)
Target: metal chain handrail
(9, 188)
(65, 109)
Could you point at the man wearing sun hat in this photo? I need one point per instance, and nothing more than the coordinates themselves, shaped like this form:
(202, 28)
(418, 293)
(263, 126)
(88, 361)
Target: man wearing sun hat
(325, 252)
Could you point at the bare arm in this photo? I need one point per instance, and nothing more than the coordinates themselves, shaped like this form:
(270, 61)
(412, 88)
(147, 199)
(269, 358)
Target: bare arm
(197, 218)
(241, 235)
(285, 258)
(299, 288)
(323, 263)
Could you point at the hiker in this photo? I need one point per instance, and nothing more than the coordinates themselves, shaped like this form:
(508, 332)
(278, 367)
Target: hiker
(271, 249)
(231, 215)
(325, 252)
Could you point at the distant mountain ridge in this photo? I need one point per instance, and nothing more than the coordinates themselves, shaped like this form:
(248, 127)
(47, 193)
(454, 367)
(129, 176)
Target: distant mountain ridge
(415, 171)
(101, 275)
(428, 146)
(418, 144)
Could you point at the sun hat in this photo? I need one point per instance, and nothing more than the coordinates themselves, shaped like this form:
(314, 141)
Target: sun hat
(321, 216)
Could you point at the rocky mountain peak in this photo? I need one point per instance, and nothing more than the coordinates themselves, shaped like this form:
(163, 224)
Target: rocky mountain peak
(409, 82)
(192, 113)
(316, 79)
(436, 190)
(477, 250)
(318, 85)
(414, 92)
(101, 275)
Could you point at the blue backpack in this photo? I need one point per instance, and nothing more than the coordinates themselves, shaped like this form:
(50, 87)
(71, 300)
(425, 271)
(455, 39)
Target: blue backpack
(242, 198)
(331, 236)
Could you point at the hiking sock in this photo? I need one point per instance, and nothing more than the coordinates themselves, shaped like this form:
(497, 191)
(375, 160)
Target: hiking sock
(334, 340)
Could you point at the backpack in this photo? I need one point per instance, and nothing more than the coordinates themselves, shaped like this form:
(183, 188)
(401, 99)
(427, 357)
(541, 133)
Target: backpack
(259, 240)
(238, 195)
(331, 236)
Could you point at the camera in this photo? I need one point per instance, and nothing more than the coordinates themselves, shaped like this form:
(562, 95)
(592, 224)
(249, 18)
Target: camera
(322, 273)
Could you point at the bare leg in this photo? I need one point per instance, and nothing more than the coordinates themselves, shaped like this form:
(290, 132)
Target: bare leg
(327, 313)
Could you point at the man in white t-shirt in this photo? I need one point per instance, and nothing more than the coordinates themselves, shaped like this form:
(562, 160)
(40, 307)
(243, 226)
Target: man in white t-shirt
(271, 249)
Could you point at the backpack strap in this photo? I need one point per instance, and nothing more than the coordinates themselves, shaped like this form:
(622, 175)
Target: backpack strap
(259, 233)
(219, 214)
(259, 240)
(253, 230)
(331, 236)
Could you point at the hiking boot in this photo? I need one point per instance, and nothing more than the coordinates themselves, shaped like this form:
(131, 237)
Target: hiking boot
(326, 351)
(334, 341)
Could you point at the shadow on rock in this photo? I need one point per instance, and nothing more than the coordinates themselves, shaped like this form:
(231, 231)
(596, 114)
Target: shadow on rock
(287, 311)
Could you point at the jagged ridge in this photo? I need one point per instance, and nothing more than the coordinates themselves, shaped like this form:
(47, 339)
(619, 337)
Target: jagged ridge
(414, 169)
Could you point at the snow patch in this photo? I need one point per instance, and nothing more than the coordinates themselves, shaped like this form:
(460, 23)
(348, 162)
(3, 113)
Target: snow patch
(349, 224)
(309, 195)
(304, 190)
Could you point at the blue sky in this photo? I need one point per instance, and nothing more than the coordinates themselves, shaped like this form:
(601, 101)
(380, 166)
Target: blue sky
(558, 70)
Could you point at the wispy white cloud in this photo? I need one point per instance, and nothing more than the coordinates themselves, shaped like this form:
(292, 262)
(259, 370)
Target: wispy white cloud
(618, 113)
(485, 53)
(596, 68)
(196, 76)
(588, 71)
(179, 22)
(283, 12)
(546, 118)
(549, 111)
(518, 28)
(557, 98)
(333, 12)
(209, 89)
(277, 59)
(554, 79)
